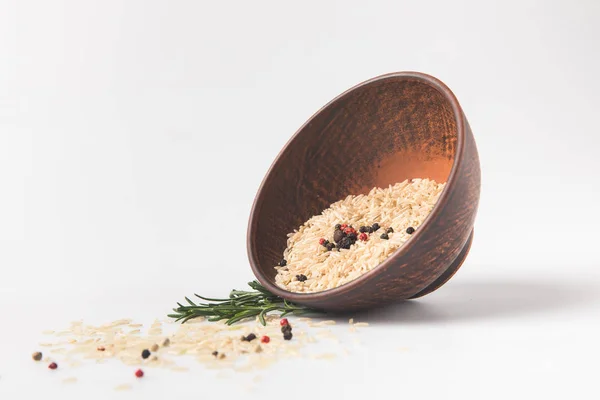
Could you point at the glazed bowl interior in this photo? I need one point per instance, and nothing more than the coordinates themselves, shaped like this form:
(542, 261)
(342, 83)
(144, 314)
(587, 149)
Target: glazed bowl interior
(378, 133)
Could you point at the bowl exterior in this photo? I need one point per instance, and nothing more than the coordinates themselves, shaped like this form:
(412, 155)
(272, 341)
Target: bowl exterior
(429, 258)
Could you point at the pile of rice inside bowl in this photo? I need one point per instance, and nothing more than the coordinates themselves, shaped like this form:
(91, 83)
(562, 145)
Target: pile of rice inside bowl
(309, 265)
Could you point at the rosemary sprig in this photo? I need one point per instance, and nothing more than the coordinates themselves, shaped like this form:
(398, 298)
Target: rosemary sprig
(240, 305)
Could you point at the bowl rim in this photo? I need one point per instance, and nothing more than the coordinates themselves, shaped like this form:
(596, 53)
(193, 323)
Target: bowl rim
(349, 286)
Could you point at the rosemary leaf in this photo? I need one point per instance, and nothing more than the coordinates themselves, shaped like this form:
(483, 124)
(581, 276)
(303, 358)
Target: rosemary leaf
(239, 306)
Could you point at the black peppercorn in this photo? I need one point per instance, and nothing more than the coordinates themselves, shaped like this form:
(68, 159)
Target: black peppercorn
(330, 246)
(390, 230)
(250, 337)
(384, 236)
(338, 235)
(287, 336)
(286, 328)
(282, 263)
(338, 226)
(353, 237)
(345, 243)
(375, 227)
(145, 354)
(301, 277)
(215, 353)
(363, 229)
(410, 230)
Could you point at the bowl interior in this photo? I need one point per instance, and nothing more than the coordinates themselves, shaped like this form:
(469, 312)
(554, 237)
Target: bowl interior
(379, 133)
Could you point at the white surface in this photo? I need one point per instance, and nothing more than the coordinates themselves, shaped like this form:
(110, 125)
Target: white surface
(118, 120)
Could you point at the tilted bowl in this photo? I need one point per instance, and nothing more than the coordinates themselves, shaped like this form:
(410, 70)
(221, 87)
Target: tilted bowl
(390, 128)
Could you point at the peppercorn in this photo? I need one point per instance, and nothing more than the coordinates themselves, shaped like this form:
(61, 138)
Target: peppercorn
(363, 236)
(390, 230)
(369, 229)
(322, 242)
(375, 227)
(282, 263)
(301, 277)
(215, 353)
(362, 229)
(329, 246)
(154, 347)
(284, 321)
(166, 342)
(249, 338)
(265, 339)
(145, 353)
(101, 348)
(338, 235)
(286, 328)
(53, 365)
(345, 243)
(410, 230)
(287, 336)
(353, 236)
(37, 356)
(139, 373)
(343, 226)
(384, 236)
(338, 226)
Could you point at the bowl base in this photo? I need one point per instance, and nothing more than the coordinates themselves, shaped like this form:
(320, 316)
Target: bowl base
(439, 282)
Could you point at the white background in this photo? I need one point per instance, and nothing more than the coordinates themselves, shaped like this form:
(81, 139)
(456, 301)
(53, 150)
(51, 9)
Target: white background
(134, 135)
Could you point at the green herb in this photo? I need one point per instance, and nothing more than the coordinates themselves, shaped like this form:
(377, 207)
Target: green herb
(240, 305)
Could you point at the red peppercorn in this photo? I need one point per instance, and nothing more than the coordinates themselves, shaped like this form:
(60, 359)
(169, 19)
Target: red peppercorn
(265, 339)
(284, 321)
(344, 226)
(53, 365)
(363, 236)
(139, 373)
(322, 241)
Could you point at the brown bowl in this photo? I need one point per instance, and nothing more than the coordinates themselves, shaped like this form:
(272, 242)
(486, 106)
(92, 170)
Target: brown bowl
(390, 128)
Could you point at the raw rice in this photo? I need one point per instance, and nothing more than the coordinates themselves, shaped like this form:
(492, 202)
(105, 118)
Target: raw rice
(400, 206)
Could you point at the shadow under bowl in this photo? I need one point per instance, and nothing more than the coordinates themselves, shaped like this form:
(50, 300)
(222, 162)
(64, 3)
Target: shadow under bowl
(390, 128)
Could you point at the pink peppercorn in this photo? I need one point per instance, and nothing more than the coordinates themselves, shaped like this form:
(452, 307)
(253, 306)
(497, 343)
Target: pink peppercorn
(265, 339)
(53, 365)
(139, 373)
(321, 241)
(284, 321)
(363, 237)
